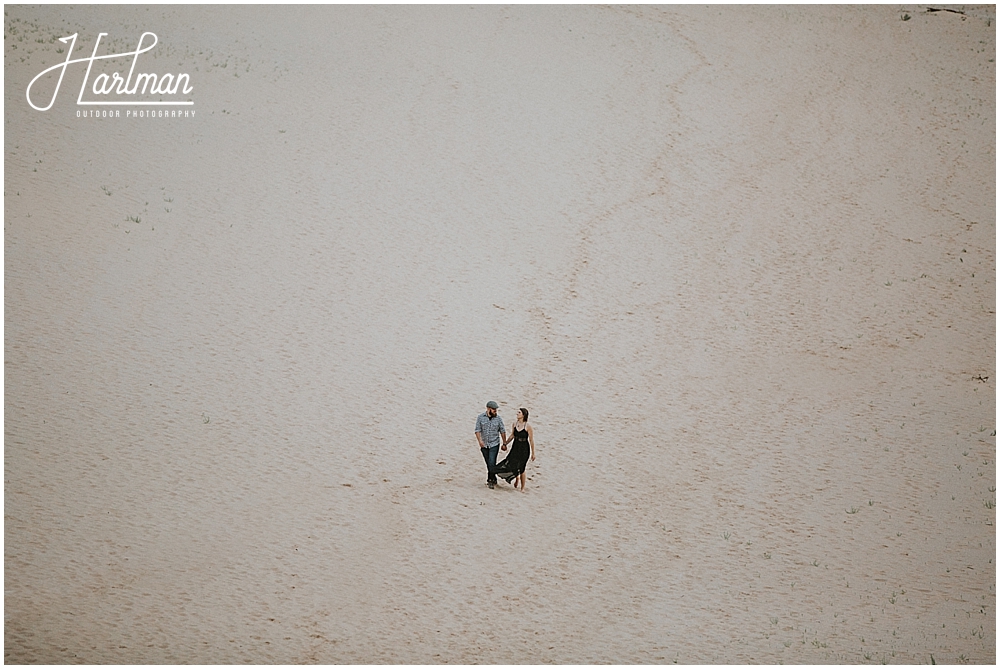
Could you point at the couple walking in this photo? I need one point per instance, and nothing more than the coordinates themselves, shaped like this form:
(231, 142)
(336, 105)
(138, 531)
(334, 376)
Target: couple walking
(489, 432)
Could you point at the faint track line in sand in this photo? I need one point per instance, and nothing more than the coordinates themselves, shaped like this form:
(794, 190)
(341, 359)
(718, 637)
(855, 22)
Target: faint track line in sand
(583, 257)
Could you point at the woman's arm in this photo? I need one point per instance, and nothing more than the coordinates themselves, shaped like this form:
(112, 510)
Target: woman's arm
(531, 440)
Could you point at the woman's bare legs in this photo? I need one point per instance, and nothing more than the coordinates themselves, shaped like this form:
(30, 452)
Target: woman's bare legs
(524, 477)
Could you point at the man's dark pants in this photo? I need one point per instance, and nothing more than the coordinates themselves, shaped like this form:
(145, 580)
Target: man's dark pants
(490, 455)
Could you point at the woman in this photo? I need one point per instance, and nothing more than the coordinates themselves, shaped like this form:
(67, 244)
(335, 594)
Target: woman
(512, 467)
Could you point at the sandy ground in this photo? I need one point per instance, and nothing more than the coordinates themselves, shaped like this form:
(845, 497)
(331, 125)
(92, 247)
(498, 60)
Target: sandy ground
(739, 264)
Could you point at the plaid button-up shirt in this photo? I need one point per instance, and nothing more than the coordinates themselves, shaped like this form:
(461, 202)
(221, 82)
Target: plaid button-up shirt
(490, 428)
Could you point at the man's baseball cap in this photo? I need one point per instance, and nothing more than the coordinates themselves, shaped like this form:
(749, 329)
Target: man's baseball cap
(492, 405)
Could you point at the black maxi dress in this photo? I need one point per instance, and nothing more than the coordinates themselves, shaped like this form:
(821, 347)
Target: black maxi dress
(515, 463)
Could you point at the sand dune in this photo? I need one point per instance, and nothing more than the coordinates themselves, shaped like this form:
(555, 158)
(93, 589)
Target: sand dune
(738, 262)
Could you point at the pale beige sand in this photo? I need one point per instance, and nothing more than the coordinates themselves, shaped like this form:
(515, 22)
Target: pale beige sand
(739, 263)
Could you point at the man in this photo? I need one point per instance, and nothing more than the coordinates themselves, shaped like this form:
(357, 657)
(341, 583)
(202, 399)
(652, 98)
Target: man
(489, 430)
